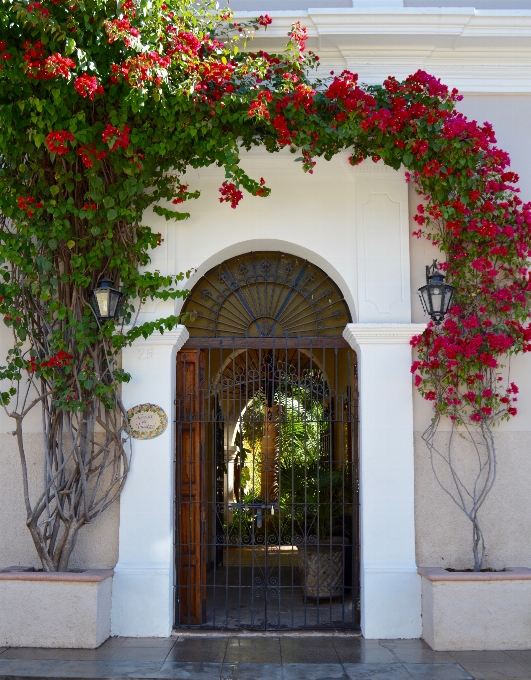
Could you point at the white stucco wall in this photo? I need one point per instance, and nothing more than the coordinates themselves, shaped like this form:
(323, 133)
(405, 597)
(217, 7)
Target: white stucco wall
(319, 217)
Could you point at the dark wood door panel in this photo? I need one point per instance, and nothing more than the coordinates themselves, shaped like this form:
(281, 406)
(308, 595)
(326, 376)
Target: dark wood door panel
(191, 539)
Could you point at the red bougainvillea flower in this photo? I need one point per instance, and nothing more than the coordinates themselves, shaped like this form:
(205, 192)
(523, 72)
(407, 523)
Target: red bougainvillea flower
(180, 194)
(56, 141)
(89, 153)
(87, 86)
(121, 29)
(4, 56)
(259, 105)
(265, 20)
(299, 36)
(37, 8)
(29, 205)
(229, 194)
(59, 360)
(57, 65)
(115, 137)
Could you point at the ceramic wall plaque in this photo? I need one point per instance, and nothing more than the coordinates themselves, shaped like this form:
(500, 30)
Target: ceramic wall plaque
(147, 421)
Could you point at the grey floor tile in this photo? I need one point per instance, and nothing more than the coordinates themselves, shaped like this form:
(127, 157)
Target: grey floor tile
(376, 671)
(17, 667)
(134, 654)
(114, 642)
(148, 642)
(308, 650)
(190, 671)
(253, 650)
(522, 656)
(3, 649)
(421, 656)
(366, 651)
(199, 649)
(251, 671)
(99, 669)
(434, 671)
(313, 671)
(481, 657)
(415, 643)
(497, 671)
(45, 654)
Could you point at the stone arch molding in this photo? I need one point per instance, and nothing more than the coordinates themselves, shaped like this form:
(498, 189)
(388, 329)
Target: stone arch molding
(266, 294)
(273, 245)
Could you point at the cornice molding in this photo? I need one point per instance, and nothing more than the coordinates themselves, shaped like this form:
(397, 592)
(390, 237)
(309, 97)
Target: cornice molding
(177, 336)
(476, 51)
(454, 21)
(357, 334)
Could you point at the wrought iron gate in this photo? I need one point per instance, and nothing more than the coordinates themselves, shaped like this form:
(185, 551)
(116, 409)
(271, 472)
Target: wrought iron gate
(267, 484)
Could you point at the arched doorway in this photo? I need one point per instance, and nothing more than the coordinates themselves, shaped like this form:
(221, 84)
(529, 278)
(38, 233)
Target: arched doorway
(267, 464)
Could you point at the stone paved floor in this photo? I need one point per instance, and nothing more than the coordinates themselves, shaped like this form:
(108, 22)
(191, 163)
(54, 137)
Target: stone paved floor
(286, 657)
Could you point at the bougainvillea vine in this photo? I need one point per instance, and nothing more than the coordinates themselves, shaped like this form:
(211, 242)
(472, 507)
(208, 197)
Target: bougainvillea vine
(103, 110)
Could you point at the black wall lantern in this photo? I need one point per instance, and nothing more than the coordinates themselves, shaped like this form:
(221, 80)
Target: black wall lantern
(106, 301)
(436, 295)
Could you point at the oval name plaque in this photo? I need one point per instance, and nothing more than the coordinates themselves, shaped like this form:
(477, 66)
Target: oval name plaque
(147, 421)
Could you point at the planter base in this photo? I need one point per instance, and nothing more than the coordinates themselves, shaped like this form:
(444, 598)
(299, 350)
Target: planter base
(39, 609)
(471, 610)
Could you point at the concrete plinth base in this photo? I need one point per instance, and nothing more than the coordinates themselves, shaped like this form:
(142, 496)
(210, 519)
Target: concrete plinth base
(39, 609)
(476, 610)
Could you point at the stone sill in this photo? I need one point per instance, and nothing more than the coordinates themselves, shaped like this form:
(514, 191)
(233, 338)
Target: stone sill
(509, 574)
(89, 576)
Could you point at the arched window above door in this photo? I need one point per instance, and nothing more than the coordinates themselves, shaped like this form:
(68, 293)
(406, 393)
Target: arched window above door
(266, 294)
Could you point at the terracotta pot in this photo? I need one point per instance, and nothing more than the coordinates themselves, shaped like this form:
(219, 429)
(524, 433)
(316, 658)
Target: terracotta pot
(321, 570)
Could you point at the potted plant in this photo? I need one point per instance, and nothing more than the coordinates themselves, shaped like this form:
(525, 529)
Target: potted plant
(322, 556)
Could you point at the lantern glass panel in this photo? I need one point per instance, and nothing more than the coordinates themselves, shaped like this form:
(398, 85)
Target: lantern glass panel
(449, 292)
(437, 297)
(114, 299)
(102, 300)
(424, 291)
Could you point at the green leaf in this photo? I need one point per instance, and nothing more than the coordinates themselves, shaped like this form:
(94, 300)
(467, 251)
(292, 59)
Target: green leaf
(170, 214)
(54, 190)
(70, 45)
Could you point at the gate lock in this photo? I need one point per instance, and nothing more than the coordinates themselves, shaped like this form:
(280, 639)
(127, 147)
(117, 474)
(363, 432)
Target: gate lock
(259, 507)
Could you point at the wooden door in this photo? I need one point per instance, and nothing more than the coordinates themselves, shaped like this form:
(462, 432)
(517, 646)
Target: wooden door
(191, 515)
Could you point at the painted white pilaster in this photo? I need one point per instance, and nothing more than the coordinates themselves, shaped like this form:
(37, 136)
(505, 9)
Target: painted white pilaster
(390, 585)
(142, 598)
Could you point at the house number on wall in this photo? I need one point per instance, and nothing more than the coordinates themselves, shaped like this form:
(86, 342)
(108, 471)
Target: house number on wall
(146, 354)
(147, 421)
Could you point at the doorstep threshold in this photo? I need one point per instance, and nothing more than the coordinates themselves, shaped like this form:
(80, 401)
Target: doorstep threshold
(214, 633)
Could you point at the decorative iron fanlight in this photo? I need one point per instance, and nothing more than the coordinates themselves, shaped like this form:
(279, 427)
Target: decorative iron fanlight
(436, 295)
(106, 301)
